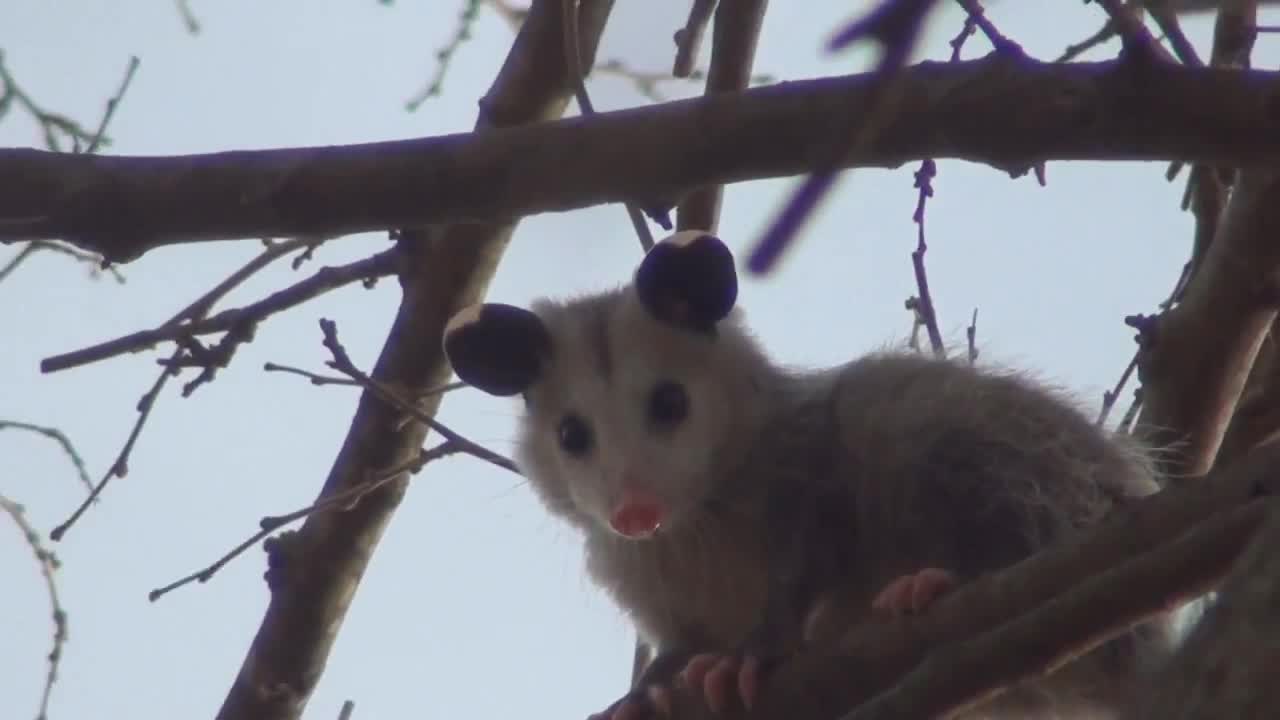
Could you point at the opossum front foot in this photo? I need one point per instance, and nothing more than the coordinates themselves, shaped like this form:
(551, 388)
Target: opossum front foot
(643, 703)
(913, 593)
(720, 676)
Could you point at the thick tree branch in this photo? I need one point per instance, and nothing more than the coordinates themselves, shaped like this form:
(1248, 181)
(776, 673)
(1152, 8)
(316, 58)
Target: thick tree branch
(1226, 668)
(123, 206)
(1197, 356)
(449, 267)
(1203, 522)
(733, 54)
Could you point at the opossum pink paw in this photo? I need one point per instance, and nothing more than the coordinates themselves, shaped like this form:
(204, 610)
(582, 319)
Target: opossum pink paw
(913, 593)
(644, 703)
(722, 676)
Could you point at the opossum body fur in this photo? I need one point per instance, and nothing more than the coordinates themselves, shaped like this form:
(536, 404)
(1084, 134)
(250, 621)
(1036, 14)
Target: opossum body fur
(721, 495)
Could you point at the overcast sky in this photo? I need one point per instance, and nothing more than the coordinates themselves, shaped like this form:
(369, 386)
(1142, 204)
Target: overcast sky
(475, 604)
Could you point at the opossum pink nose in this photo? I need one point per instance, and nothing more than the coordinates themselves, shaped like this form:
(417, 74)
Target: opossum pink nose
(638, 515)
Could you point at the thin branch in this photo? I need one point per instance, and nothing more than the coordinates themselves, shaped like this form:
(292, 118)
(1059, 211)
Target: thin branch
(1167, 20)
(688, 39)
(1136, 36)
(733, 50)
(93, 260)
(895, 26)
(444, 56)
(573, 61)
(120, 466)
(49, 564)
(342, 500)
(99, 135)
(1109, 397)
(59, 437)
(1075, 50)
(314, 378)
(975, 15)
(971, 335)
(924, 301)
(204, 304)
(317, 379)
(189, 19)
(342, 363)
(324, 280)
(194, 312)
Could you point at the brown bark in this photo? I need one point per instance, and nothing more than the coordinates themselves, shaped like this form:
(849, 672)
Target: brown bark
(733, 54)
(1201, 351)
(1227, 668)
(1133, 556)
(315, 572)
(1003, 112)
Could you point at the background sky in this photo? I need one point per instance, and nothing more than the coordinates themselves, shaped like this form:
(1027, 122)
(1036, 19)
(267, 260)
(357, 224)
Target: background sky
(475, 604)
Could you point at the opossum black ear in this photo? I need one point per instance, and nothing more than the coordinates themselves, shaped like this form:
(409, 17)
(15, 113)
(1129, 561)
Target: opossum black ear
(688, 280)
(496, 348)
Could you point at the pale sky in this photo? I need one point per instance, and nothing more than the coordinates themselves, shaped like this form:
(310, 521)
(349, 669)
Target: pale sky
(475, 604)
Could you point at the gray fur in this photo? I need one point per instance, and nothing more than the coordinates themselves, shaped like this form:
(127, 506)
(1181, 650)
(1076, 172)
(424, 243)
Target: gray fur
(880, 467)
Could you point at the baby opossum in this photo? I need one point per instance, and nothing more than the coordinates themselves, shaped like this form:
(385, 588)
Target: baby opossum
(720, 495)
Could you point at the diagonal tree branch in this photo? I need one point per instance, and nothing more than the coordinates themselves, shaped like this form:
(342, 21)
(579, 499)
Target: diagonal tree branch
(315, 571)
(1157, 551)
(1226, 668)
(123, 206)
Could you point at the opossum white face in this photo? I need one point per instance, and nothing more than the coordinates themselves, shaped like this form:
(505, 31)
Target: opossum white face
(632, 396)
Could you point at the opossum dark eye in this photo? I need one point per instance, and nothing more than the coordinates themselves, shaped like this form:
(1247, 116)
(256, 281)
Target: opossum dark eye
(668, 403)
(575, 435)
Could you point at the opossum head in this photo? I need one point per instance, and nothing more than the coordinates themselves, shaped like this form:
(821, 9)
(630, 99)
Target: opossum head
(635, 398)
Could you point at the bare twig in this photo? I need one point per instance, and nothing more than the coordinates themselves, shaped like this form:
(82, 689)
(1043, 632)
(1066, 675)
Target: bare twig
(344, 499)
(1128, 23)
(647, 82)
(924, 301)
(348, 709)
(971, 334)
(51, 123)
(120, 466)
(325, 279)
(317, 379)
(49, 564)
(689, 38)
(113, 102)
(189, 19)
(93, 260)
(194, 313)
(342, 363)
(895, 26)
(59, 437)
(1075, 50)
(976, 16)
(444, 56)
(1109, 397)
(1167, 20)
(573, 61)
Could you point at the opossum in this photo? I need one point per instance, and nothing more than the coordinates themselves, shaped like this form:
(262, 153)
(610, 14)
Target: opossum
(720, 495)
